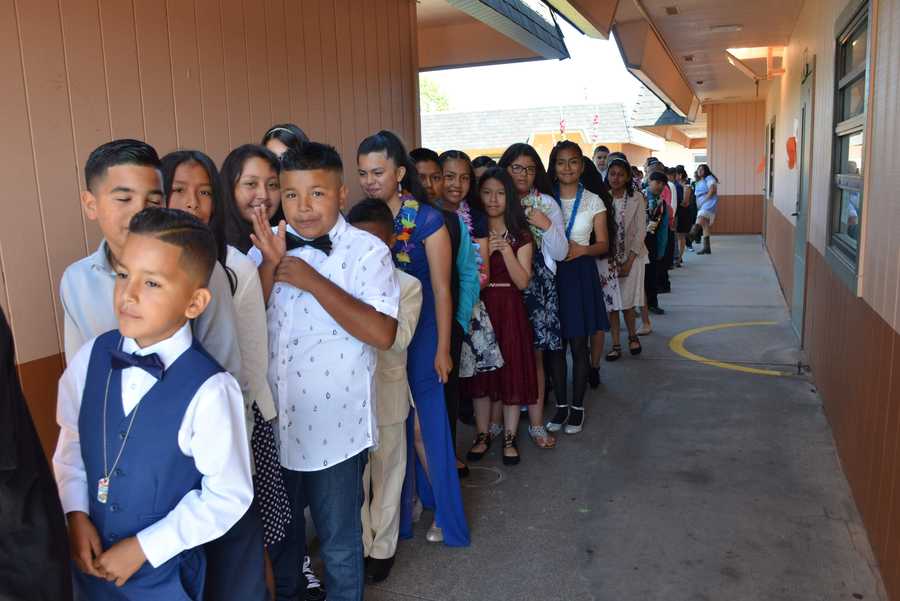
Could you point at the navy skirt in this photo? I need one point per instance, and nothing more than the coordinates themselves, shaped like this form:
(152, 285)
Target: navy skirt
(582, 310)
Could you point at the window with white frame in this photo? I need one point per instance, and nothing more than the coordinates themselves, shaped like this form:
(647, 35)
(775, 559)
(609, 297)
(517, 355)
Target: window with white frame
(851, 102)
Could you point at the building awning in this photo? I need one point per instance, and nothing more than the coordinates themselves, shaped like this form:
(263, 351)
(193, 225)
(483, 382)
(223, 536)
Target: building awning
(645, 56)
(593, 18)
(464, 33)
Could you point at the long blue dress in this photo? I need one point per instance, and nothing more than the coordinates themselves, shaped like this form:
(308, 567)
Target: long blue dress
(443, 494)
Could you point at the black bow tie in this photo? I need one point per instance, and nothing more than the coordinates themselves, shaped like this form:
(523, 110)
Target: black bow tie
(322, 243)
(151, 363)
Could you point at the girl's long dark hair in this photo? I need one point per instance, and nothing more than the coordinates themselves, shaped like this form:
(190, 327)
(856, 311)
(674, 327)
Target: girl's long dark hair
(591, 180)
(389, 143)
(170, 164)
(237, 231)
(624, 164)
(514, 215)
(541, 181)
(706, 170)
(473, 197)
(287, 133)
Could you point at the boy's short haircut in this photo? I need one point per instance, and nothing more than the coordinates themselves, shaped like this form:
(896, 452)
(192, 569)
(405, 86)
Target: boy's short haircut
(483, 161)
(420, 155)
(371, 210)
(181, 229)
(118, 152)
(601, 148)
(312, 156)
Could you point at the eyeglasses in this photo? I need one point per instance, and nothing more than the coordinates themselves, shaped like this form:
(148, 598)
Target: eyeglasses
(517, 169)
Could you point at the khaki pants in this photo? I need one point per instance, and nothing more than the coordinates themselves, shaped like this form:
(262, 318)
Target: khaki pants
(383, 485)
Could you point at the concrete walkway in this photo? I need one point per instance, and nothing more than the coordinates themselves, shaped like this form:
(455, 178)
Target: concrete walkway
(690, 482)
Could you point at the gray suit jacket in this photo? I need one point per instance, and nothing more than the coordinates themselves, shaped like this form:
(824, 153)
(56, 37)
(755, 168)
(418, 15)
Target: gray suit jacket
(392, 394)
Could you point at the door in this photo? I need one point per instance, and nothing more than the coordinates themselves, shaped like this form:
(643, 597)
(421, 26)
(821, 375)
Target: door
(805, 145)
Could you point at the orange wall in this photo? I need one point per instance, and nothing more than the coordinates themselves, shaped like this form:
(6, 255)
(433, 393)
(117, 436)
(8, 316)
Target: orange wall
(208, 74)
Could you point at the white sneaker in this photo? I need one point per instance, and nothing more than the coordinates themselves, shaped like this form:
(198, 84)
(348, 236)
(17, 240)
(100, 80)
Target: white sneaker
(646, 330)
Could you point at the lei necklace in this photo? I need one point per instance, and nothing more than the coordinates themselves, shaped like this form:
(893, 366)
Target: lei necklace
(405, 222)
(535, 200)
(465, 213)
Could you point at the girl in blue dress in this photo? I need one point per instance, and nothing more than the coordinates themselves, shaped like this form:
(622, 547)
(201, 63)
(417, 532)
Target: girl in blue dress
(423, 250)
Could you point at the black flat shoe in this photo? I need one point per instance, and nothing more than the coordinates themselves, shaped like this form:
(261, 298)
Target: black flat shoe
(594, 377)
(377, 570)
(634, 350)
(482, 438)
(656, 310)
(509, 442)
(615, 353)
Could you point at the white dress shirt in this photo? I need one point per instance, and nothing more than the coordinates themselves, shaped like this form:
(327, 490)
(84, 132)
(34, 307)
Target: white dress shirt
(86, 291)
(322, 377)
(583, 226)
(253, 339)
(212, 432)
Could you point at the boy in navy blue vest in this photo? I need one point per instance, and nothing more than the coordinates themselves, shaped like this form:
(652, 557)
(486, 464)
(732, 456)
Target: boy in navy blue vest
(152, 459)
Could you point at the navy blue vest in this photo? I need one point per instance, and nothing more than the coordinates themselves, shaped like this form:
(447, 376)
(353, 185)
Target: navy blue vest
(153, 474)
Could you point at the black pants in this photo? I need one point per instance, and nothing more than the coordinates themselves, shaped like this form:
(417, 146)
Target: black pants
(650, 282)
(452, 388)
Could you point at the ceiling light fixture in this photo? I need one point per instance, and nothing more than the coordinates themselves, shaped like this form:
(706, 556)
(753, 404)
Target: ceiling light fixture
(726, 28)
(671, 10)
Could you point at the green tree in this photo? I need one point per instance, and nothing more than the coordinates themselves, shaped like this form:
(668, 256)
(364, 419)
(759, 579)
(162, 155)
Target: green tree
(431, 98)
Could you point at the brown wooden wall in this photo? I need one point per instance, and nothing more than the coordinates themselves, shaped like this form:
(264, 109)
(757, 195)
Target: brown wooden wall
(207, 74)
(736, 136)
(855, 359)
(739, 214)
(780, 243)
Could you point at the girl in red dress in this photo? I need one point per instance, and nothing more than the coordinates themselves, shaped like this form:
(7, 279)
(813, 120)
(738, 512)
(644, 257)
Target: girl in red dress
(515, 384)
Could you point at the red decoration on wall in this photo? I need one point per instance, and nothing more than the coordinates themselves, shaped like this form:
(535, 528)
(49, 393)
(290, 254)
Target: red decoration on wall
(792, 152)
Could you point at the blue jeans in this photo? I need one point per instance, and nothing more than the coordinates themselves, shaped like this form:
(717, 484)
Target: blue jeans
(335, 497)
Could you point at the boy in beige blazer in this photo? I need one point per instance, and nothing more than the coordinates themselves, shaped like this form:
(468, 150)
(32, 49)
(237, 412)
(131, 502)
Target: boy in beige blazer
(385, 471)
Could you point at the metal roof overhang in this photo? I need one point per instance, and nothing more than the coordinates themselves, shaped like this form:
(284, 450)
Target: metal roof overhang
(495, 31)
(593, 18)
(646, 57)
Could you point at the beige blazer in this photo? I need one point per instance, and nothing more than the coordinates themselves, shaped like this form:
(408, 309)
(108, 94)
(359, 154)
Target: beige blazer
(635, 220)
(392, 394)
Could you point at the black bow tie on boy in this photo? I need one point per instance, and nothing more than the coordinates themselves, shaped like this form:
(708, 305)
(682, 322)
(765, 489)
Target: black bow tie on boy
(151, 363)
(322, 243)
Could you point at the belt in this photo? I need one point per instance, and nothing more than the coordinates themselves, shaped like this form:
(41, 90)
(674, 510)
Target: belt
(499, 285)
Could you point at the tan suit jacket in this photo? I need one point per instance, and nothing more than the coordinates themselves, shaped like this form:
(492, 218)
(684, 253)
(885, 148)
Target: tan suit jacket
(392, 394)
(635, 220)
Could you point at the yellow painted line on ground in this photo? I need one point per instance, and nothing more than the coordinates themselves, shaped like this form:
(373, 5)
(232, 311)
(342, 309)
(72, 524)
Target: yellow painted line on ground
(677, 346)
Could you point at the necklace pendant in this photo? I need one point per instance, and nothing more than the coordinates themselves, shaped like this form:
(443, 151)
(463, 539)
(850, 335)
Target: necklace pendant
(103, 490)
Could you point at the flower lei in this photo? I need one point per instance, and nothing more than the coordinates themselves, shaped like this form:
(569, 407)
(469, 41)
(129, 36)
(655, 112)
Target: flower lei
(465, 213)
(405, 221)
(535, 200)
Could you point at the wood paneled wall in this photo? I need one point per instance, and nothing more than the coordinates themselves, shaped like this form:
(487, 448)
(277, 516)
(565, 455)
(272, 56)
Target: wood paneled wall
(736, 135)
(855, 360)
(207, 74)
(780, 243)
(739, 214)
(880, 257)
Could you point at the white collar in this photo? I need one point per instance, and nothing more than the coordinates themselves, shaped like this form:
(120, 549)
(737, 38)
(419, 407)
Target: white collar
(100, 260)
(168, 350)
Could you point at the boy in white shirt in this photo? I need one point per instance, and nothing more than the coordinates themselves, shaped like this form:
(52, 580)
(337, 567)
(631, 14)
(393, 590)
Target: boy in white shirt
(332, 301)
(152, 458)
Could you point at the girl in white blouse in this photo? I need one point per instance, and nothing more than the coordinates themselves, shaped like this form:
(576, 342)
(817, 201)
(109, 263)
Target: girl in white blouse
(192, 184)
(582, 310)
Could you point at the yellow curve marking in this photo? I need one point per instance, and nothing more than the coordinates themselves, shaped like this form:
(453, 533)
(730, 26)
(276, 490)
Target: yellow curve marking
(677, 346)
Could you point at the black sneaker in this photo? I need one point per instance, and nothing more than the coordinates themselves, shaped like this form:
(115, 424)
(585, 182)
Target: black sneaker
(656, 310)
(314, 589)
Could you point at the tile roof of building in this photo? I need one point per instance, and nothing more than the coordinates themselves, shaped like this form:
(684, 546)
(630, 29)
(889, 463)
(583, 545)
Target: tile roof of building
(500, 128)
(649, 110)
